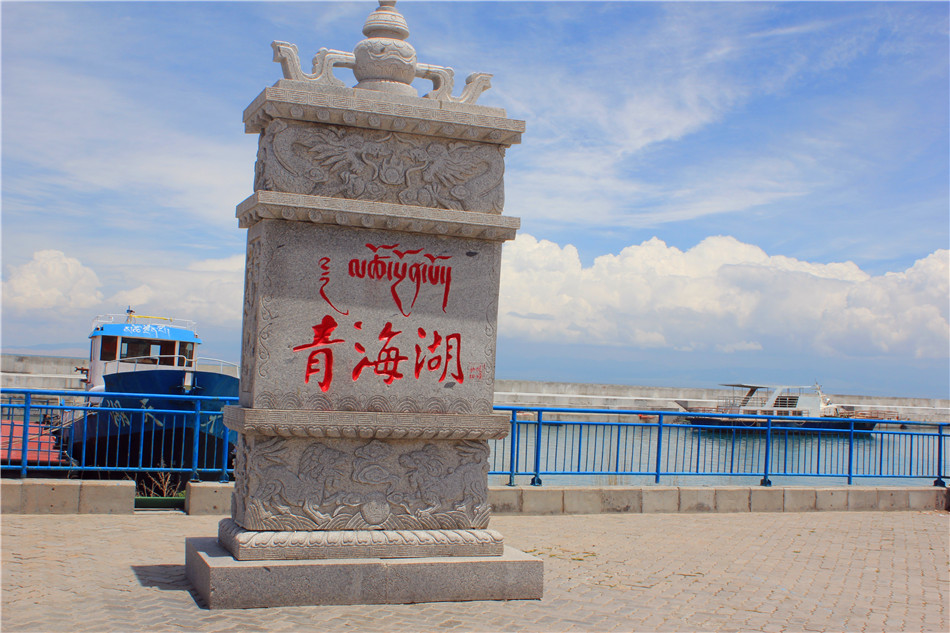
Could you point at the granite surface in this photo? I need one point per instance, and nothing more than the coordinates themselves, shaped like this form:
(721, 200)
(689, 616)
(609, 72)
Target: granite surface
(293, 484)
(226, 583)
(321, 544)
(347, 319)
(380, 166)
(375, 215)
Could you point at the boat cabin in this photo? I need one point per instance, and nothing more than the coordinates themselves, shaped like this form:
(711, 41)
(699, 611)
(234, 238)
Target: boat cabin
(775, 400)
(130, 342)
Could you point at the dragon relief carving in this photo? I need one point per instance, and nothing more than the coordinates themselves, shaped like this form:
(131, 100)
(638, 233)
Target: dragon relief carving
(292, 484)
(434, 480)
(380, 166)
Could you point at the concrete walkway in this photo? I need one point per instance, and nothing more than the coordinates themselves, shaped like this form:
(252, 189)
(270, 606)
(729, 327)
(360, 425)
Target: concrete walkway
(829, 571)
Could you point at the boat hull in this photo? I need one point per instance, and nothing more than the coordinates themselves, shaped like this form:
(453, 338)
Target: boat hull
(832, 424)
(152, 431)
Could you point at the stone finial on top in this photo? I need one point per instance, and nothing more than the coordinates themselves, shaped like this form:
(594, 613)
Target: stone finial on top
(383, 62)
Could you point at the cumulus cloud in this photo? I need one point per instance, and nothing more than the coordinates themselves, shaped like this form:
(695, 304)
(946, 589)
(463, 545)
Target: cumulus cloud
(51, 281)
(722, 295)
(209, 291)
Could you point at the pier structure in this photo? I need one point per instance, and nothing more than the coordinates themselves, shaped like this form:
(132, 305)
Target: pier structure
(768, 571)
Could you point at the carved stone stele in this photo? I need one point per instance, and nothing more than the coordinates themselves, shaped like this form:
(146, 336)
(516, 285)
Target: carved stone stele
(374, 238)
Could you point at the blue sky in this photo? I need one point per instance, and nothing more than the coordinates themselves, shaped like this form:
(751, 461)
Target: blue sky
(709, 192)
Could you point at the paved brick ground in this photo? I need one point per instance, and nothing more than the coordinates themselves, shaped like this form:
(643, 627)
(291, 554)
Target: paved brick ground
(829, 571)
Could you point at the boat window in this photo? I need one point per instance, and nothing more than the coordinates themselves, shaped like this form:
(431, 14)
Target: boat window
(186, 354)
(167, 353)
(140, 350)
(109, 347)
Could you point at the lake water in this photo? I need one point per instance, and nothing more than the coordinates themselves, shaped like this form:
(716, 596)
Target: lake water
(619, 454)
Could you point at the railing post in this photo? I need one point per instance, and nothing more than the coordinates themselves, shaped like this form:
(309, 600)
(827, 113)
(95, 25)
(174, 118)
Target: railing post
(617, 459)
(768, 455)
(939, 480)
(194, 442)
(85, 429)
(141, 437)
(910, 461)
(732, 453)
(880, 459)
(580, 446)
(785, 453)
(25, 436)
(536, 479)
(699, 447)
(513, 448)
(851, 453)
(659, 446)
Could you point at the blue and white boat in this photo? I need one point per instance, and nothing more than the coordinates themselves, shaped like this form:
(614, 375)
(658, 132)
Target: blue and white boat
(155, 356)
(786, 405)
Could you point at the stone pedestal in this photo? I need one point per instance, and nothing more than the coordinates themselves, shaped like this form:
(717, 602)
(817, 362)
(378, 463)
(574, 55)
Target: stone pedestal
(371, 296)
(226, 583)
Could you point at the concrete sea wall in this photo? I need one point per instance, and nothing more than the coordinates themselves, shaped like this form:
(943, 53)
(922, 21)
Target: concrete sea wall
(64, 496)
(572, 394)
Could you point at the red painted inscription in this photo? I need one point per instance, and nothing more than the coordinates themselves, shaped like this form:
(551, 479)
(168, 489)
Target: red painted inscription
(440, 354)
(320, 361)
(388, 265)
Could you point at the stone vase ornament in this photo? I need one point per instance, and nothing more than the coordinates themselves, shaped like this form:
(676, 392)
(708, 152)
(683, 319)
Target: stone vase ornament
(374, 241)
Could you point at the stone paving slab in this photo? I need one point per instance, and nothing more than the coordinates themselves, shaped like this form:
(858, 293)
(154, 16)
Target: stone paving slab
(828, 571)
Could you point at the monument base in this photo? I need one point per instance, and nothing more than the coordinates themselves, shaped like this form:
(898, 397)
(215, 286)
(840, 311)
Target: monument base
(257, 545)
(226, 583)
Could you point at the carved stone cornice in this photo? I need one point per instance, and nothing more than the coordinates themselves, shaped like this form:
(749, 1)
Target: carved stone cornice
(365, 424)
(375, 215)
(297, 101)
(302, 545)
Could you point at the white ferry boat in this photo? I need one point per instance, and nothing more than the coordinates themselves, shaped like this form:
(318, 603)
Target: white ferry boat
(777, 401)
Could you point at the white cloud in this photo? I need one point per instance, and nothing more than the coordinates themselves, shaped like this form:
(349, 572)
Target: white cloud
(92, 135)
(208, 291)
(725, 295)
(903, 313)
(53, 282)
(54, 285)
(711, 86)
(741, 346)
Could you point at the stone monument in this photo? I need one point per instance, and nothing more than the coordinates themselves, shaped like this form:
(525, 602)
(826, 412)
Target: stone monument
(370, 304)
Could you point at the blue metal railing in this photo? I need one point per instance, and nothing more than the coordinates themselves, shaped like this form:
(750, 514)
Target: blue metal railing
(553, 441)
(68, 431)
